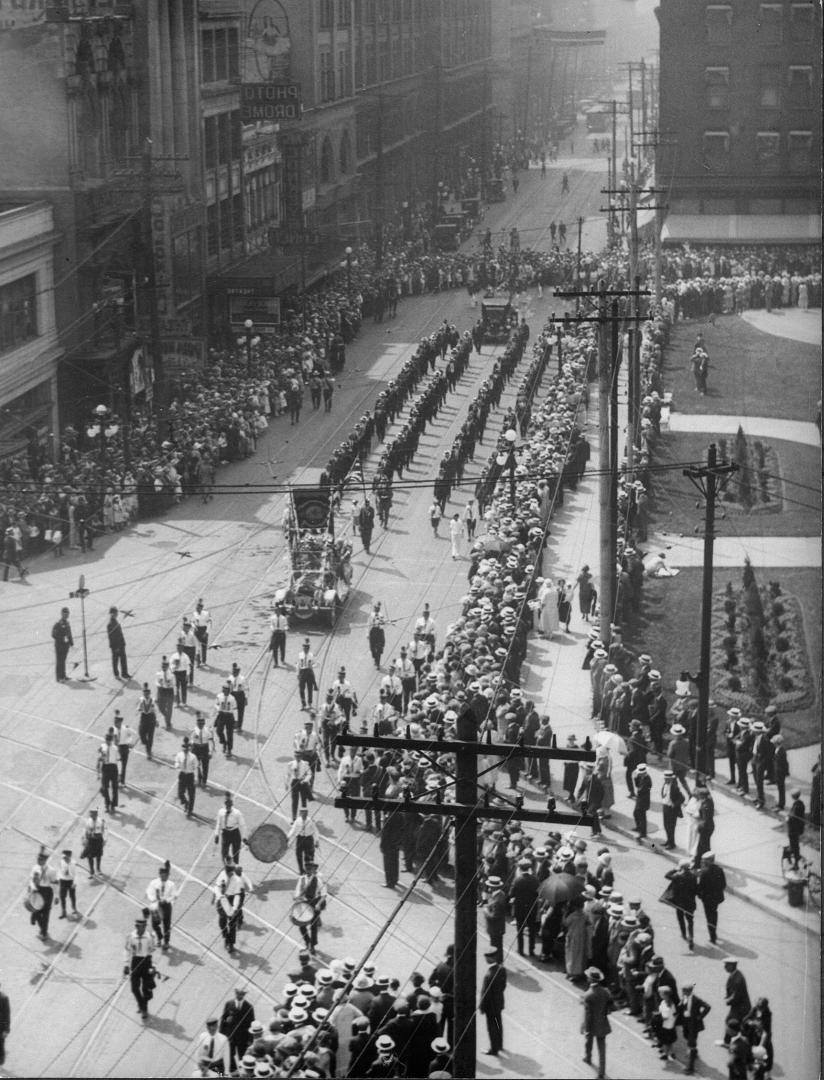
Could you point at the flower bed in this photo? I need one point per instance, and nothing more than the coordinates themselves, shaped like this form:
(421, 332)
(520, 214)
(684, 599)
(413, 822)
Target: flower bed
(759, 652)
(756, 487)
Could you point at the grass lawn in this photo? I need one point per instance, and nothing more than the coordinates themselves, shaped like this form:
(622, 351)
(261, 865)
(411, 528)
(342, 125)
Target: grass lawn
(751, 373)
(673, 504)
(669, 629)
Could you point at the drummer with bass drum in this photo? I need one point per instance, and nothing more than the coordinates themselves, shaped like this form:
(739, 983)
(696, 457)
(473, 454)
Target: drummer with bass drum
(310, 901)
(40, 896)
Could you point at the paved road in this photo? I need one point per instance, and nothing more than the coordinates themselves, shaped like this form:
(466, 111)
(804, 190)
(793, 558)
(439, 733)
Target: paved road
(69, 993)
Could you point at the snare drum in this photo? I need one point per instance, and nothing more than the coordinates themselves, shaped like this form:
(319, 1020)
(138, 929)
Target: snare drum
(34, 903)
(302, 913)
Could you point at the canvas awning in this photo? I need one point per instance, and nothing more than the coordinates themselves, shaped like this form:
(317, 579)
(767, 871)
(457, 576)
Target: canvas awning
(742, 229)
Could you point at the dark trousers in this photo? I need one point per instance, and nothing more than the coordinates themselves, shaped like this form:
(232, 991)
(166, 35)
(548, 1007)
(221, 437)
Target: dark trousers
(780, 782)
(758, 778)
(639, 814)
(711, 913)
(685, 923)
(120, 665)
(191, 656)
(124, 761)
(304, 850)
(60, 654)
(731, 760)
(300, 791)
(41, 918)
(278, 646)
(146, 732)
(139, 977)
(670, 821)
(108, 785)
(225, 731)
(601, 1043)
(391, 865)
(743, 774)
(202, 755)
(310, 932)
(230, 844)
(186, 790)
(240, 699)
(306, 685)
(495, 1030)
(166, 703)
(162, 922)
(67, 890)
(181, 687)
(228, 927)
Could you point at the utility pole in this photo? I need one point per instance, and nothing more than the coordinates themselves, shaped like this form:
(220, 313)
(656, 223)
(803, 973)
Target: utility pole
(379, 194)
(468, 810)
(643, 95)
(706, 479)
(608, 365)
(578, 267)
(655, 143)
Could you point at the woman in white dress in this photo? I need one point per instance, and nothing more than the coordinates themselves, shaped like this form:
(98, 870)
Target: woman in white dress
(549, 608)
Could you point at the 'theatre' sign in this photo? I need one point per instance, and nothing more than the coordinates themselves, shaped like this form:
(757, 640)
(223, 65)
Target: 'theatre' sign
(270, 101)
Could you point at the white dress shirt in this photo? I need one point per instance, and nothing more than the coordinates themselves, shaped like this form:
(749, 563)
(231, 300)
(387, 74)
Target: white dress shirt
(230, 819)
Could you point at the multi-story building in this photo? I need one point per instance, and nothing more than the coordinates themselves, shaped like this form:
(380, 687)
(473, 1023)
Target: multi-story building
(29, 349)
(740, 89)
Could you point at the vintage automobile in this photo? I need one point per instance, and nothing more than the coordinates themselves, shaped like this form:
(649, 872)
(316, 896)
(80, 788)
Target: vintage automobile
(495, 190)
(497, 318)
(447, 236)
(320, 574)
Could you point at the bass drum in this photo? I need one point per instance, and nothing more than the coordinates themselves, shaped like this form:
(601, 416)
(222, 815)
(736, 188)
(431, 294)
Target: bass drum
(34, 903)
(302, 606)
(302, 913)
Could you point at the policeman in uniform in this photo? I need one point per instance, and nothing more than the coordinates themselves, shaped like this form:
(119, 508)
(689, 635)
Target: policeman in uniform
(225, 710)
(202, 744)
(139, 967)
(187, 765)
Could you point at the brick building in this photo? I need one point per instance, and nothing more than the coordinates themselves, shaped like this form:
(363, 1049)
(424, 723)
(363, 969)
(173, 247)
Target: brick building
(740, 90)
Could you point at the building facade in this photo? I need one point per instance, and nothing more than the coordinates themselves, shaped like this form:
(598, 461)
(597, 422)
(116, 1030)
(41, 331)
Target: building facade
(740, 91)
(29, 347)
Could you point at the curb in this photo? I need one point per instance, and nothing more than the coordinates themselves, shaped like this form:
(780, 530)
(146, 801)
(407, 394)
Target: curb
(738, 893)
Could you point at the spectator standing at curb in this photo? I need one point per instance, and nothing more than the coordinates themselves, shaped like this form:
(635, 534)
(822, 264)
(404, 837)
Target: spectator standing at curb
(691, 1013)
(117, 645)
(597, 1002)
(795, 824)
(710, 887)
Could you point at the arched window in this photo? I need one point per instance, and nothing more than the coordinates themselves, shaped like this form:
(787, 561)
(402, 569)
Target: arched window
(345, 153)
(327, 162)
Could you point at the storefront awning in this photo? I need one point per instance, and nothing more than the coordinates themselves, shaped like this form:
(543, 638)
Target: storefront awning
(742, 229)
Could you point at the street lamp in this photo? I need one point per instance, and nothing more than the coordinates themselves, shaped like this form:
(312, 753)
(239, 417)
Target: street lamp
(506, 459)
(103, 425)
(250, 340)
(348, 263)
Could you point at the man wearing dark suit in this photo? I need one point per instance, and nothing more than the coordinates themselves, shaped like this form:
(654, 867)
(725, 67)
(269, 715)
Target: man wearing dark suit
(691, 1013)
(524, 899)
(117, 645)
(796, 820)
(237, 1017)
(424, 1030)
(761, 755)
(492, 1001)
(5, 1024)
(63, 641)
(736, 996)
(596, 1026)
(711, 884)
(444, 977)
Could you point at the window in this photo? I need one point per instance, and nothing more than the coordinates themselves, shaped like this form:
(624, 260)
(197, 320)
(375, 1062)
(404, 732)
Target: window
(769, 86)
(327, 77)
(717, 80)
(770, 24)
(327, 14)
(210, 141)
(767, 145)
(345, 155)
(220, 55)
(718, 21)
(344, 73)
(18, 312)
(186, 263)
(370, 64)
(802, 24)
(237, 218)
(344, 13)
(799, 151)
(225, 209)
(717, 151)
(212, 230)
(801, 87)
(327, 162)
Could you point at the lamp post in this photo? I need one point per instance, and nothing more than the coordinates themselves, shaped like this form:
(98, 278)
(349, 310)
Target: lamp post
(104, 426)
(348, 263)
(507, 459)
(406, 219)
(250, 340)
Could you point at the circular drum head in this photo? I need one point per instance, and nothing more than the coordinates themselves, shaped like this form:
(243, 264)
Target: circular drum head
(301, 913)
(267, 843)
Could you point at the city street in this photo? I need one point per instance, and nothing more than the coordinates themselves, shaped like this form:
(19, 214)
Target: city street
(73, 1011)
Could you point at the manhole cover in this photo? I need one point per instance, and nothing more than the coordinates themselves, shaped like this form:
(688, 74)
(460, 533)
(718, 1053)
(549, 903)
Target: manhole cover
(267, 843)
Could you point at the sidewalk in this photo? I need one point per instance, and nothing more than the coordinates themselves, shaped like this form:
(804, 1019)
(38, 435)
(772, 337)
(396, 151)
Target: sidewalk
(747, 843)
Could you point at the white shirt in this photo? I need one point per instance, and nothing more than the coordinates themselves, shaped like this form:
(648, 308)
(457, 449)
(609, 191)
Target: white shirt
(165, 680)
(95, 827)
(202, 736)
(279, 622)
(124, 736)
(189, 639)
(178, 661)
(298, 770)
(305, 660)
(108, 753)
(202, 618)
(320, 888)
(229, 819)
(301, 827)
(306, 740)
(239, 683)
(44, 875)
(214, 1048)
(158, 890)
(65, 871)
(139, 945)
(225, 703)
(185, 761)
(405, 668)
